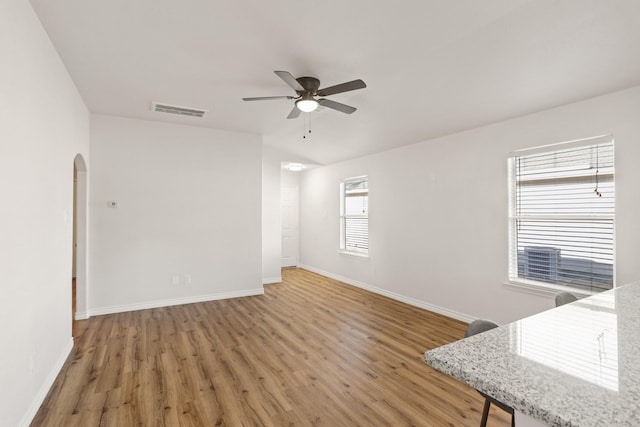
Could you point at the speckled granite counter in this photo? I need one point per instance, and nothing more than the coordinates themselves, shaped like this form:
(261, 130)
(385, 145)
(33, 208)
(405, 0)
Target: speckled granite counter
(576, 365)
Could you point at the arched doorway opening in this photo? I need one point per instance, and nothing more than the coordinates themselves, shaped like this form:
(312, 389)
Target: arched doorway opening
(79, 263)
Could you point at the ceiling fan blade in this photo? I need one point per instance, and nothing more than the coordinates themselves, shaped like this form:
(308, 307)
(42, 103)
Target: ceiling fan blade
(290, 80)
(294, 113)
(264, 98)
(343, 87)
(336, 106)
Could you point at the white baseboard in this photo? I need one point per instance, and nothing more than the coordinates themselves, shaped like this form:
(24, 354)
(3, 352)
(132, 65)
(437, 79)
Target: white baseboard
(175, 301)
(81, 315)
(271, 280)
(55, 370)
(408, 300)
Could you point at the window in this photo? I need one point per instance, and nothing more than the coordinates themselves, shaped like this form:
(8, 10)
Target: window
(354, 215)
(562, 215)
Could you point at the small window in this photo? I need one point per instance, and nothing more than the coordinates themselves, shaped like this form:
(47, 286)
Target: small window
(562, 210)
(354, 215)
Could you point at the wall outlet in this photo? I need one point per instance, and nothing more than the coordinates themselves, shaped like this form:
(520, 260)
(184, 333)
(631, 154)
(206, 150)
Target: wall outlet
(175, 280)
(187, 279)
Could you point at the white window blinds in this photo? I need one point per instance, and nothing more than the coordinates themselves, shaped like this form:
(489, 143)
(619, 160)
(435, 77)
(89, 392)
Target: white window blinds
(562, 215)
(354, 217)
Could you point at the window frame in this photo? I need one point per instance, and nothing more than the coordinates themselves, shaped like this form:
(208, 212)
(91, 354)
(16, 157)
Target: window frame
(543, 287)
(361, 252)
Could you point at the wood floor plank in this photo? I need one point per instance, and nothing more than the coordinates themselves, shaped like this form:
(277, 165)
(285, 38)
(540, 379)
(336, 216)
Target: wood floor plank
(311, 351)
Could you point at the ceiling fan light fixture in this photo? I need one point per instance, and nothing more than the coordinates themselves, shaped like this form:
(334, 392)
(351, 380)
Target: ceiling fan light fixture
(307, 104)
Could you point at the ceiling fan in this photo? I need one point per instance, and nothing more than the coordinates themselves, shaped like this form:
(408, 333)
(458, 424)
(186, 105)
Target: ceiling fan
(307, 89)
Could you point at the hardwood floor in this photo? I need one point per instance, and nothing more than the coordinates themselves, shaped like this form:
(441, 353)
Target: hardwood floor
(311, 351)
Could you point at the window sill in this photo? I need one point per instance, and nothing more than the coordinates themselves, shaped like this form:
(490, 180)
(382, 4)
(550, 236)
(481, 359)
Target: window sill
(356, 254)
(545, 289)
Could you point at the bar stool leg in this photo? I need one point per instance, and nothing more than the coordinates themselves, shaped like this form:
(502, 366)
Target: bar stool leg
(485, 413)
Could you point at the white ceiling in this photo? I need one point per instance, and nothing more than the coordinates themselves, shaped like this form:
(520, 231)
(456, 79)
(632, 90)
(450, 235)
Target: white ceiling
(432, 67)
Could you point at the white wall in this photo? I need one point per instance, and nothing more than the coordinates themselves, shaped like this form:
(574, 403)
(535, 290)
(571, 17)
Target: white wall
(438, 210)
(289, 178)
(189, 205)
(43, 125)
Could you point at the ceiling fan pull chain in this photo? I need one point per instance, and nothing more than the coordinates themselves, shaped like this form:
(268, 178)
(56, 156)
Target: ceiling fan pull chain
(307, 125)
(304, 127)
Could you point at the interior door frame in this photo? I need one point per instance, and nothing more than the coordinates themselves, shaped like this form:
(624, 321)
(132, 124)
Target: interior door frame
(80, 224)
(297, 255)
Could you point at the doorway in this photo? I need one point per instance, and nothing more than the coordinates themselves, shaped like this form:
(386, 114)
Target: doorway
(289, 225)
(75, 242)
(79, 252)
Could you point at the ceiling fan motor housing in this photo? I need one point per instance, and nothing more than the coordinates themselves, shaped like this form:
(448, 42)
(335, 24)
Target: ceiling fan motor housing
(310, 85)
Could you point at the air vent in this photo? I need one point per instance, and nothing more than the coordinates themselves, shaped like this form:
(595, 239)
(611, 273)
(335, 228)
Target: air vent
(173, 109)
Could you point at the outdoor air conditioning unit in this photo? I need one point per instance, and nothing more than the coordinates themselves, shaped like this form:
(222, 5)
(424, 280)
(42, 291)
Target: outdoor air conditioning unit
(541, 263)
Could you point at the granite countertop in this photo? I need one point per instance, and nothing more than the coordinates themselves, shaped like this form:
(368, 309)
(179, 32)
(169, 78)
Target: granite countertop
(575, 365)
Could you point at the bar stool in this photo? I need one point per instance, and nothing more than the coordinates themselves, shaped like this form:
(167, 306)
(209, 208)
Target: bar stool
(476, 327)
(565, 298)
